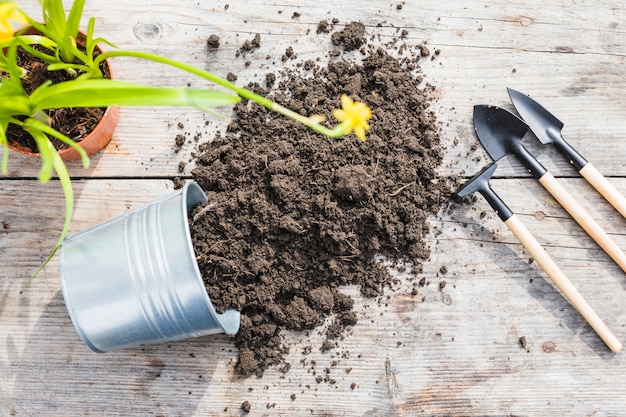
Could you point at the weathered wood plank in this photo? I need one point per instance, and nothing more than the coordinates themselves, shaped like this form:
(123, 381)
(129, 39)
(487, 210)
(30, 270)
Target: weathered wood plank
(451, 350)
(447, 351)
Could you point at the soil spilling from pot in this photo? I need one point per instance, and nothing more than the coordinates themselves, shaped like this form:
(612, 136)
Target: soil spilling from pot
(293, 215)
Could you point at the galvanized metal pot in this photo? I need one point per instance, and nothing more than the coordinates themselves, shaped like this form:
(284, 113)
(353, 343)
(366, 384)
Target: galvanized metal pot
(134, 280)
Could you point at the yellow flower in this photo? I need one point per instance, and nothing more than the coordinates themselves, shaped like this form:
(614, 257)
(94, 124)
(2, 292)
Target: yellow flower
(9, 10)
(353, 116)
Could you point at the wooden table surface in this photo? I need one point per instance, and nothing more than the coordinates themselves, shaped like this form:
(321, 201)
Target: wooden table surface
(457, 353)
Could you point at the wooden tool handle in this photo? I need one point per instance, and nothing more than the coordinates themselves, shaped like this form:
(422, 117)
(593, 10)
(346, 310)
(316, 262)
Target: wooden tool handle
(562, 282)
(604, 187)
(583, 218)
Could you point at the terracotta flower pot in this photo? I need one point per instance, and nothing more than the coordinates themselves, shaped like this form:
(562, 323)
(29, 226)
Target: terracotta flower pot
(95, 141)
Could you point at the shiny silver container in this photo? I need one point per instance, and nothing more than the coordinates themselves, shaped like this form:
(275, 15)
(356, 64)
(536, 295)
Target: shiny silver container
(134, 280)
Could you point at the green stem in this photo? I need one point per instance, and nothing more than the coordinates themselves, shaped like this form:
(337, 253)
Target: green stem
(336, 132)
(188, 68)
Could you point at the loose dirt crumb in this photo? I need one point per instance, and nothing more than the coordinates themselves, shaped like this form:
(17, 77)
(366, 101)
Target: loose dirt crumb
(323, 27)
(270, 79)
(424, 51)
(213, 43)
(351, 37)
(249, 45)
(289, 54)
(524, 343)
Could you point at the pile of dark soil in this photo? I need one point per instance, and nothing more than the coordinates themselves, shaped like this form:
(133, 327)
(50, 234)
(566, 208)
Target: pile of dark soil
(294, 215)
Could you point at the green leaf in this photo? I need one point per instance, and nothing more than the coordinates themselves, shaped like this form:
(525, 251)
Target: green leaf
(102, 93)
(47, 161)
(68, 193)
(32, 124)
(13, 104)
(37, 40)
(15, 71)
(54, 15)
(73, 19)
(63, 66)
(4, 123)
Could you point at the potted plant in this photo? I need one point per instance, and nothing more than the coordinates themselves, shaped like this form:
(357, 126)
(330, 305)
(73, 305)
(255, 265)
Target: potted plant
(56, 42)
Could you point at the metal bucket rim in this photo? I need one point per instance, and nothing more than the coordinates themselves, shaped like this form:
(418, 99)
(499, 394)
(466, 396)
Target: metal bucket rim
(229, 321)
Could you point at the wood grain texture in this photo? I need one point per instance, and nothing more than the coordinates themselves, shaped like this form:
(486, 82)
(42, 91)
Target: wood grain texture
(452, 350)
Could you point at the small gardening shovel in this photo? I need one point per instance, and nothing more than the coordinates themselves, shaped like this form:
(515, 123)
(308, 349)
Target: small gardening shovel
(547, 128)
(480, 183)
(501, 133)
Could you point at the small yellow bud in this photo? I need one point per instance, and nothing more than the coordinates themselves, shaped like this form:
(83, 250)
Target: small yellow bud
(317, 118)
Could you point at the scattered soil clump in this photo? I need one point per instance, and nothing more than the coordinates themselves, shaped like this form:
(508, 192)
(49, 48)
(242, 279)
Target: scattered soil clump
(249, 45)
(293, 215)
(213, 42)
(323, 27)
(350, 37)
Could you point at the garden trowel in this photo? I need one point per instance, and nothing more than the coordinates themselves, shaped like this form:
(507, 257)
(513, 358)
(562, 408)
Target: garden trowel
(547, 128)
(480, 183)
(501, 133)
